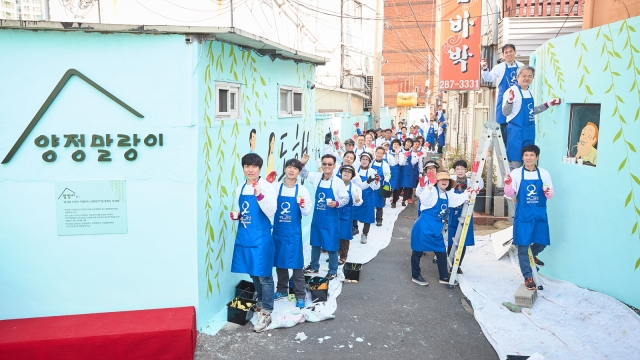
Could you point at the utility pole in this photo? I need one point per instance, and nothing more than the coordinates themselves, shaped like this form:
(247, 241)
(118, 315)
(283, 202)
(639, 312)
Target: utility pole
(377, 68)
(341, 44)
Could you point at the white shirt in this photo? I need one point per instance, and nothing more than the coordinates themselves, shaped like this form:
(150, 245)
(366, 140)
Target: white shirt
(517, 100)
(268, 204)
(366, 173)
(359, 151)
(291, 191)
(385, 169)
(516, 176)
(336, 184)
(497, 73)
(429, 196)
(397, 159)
(356, 193)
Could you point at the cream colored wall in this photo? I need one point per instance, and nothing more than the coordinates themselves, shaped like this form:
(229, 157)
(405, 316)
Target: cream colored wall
(603, 12)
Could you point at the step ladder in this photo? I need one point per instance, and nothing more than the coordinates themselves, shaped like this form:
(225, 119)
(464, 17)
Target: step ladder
(491, 139)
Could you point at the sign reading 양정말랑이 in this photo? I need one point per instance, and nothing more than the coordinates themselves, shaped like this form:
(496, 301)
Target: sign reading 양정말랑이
(99, 142)
(460, 50)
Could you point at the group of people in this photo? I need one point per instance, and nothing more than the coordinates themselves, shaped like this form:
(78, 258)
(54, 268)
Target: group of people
(355, 180)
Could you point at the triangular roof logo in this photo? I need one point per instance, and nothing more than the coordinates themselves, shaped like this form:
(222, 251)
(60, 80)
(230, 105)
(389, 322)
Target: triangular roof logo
(43, 109)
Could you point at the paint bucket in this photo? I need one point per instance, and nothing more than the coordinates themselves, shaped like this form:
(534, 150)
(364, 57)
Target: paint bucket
(565, 159)
(352, 271)
(240, 314)
(580, 161)
(319, 289)
(245, 290)
(572, 160)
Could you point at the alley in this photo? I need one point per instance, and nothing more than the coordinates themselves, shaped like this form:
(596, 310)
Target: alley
(394, 318)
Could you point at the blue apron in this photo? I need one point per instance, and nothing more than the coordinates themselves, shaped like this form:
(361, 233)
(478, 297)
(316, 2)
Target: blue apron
(378, 201)
(508, 80)
(454, 215)
(395, 174)
(325, 225)
(346, 219)
(530, 224)
(253, 250)
(416, 172)
(521, 130)
(406, 173)
(426, 234)
(441, 136)
(287, 232)
(431, 135)
(365, 213)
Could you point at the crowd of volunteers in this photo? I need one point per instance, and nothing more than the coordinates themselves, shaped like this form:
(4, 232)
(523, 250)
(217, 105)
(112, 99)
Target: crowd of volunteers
(357, 176)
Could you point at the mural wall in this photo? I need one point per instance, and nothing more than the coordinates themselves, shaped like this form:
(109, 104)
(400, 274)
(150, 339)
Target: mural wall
(223, 142)
(595, 213)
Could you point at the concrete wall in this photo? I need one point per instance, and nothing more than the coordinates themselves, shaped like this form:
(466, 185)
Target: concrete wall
(154, 264)
(595, 213)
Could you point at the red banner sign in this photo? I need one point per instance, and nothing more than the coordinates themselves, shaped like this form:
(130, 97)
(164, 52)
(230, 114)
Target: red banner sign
(460, 45)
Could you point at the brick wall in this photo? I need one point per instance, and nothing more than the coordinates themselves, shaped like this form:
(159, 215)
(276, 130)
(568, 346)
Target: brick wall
(404, 49)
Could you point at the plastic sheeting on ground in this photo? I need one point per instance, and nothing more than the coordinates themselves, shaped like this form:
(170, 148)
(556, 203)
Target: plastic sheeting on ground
(286, 314)
(566, 321)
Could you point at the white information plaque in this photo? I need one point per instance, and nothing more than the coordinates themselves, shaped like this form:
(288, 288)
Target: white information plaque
(91, 207)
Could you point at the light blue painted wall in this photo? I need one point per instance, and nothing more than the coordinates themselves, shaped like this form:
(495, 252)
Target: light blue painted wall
(595, 212)
(154, 264)
(222, 143)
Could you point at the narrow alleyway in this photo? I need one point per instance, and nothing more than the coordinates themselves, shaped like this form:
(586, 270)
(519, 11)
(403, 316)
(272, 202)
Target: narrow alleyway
(394, 318)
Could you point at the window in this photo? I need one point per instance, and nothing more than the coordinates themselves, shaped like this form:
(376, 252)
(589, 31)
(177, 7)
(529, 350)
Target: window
(290, 101)
(584, 128)
(227, 100)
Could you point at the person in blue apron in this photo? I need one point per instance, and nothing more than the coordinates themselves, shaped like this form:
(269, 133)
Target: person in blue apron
(426, 234)
(371, 181)
(253, 250)
(294, 202)
(504, 75)
(462, 182)
(520, 110)
(430, 169)
(531, 186)
(418, 167)
(431, 137)
(397, 160)
(379, 197)
(442, 133)
(406, 174)
(355, 199)
(330, 196)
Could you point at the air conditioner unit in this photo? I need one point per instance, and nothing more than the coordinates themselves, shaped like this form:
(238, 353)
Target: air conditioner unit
(368, 102)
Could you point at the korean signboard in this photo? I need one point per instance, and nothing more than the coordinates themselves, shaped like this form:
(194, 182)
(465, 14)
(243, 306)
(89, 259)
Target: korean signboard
(460, 45)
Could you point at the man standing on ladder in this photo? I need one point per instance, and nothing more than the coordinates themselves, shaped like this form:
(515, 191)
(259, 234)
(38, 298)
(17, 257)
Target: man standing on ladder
(520, 110)
(530, 187)
(504, 74)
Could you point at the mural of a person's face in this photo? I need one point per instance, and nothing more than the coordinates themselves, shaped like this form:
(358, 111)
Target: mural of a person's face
(272, 145)
(588, 137)
(252, 141)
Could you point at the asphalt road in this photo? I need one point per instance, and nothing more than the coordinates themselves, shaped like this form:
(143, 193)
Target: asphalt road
(395, 318)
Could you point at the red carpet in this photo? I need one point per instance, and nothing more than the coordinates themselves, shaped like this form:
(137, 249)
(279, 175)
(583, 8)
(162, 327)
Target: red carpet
(145, 334)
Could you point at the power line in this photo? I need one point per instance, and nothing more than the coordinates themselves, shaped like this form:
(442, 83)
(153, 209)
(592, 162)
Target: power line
(565, 20)
(421, 33)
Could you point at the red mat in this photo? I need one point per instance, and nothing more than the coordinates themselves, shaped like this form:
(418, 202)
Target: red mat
(145, 334)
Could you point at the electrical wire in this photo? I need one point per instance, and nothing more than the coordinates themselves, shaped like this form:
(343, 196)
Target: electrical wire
(203, 10)
(187, 21)
(567, 18)
(421, 33)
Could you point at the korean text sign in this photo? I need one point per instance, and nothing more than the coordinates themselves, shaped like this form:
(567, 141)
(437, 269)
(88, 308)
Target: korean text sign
(460, 49)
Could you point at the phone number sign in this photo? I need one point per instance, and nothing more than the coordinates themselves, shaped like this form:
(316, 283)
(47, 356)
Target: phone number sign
(460, 50)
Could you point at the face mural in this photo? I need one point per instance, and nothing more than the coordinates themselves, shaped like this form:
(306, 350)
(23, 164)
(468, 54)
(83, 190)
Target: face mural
(252, 141)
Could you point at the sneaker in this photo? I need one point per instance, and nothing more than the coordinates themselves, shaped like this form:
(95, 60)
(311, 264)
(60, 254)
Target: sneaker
(355, 231)
(279, 295)
(530, 284)
(404, 203)
(258, 306)
(537, 261)
(264, 319)
(309, 271)
(420, 281)
(393, 205)
(363, 239)
(300, 303)
(331, 276)
(378, 223)
(446, 282)
(409, 201)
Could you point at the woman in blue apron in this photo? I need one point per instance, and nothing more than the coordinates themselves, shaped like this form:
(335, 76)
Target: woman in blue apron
(426, 234)
(380, 197)
(530, 223)
(346, 217)
(395, 158)
(366, 212)
(461, 185)
(442, 132)
(431, 136)
(253, 250)
(407, 182)
(430, 168)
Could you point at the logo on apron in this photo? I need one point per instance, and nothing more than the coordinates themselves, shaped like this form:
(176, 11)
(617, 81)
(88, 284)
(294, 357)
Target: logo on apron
(443, 212)
(531, 115)
(321, 204)
(245, 219)
(285, 206)
(532, 195)
(512, 78)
